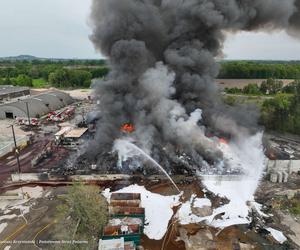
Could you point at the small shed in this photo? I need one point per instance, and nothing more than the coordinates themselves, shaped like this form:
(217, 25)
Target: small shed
(62, 132)
(75, 133)
(73, 138)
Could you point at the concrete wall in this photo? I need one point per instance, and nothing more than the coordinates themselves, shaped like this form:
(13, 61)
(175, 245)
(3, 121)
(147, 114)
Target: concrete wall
(29, 177)
(290, 166)
(295, 166)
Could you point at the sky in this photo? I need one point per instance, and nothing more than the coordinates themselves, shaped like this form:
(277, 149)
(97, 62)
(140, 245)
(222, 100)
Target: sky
(59, 29)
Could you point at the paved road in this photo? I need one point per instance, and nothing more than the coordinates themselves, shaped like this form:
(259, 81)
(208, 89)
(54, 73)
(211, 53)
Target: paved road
(30, 227)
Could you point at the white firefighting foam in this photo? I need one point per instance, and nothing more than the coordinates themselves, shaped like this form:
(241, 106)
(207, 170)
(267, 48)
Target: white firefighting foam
(248, 156)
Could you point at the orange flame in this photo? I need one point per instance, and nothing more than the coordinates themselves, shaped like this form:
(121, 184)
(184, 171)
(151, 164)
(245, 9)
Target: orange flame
(127, 128)
(222, 140)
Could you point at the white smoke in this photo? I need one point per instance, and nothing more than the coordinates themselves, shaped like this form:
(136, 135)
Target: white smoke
(124, 151)
(158, 82)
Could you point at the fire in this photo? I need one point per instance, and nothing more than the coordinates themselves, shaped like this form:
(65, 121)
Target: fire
(223, 140)
(127, 128)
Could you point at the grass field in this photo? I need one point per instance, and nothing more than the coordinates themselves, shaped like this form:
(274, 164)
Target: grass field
(39, 83)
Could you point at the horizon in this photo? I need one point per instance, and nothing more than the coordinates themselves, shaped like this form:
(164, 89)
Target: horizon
(13, 57)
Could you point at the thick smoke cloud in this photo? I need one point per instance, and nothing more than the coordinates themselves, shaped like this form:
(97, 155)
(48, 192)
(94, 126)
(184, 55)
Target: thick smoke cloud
(162, 59)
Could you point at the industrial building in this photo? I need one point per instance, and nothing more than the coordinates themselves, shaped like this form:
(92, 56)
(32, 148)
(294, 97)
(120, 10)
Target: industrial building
(279, 170)
(70, 136)
(36, 106)
(8, 92)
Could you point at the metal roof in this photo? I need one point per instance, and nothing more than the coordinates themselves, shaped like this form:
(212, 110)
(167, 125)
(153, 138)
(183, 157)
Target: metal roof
(8, 89)
(63, 131)
(65, 98)
(51, 101)
(76, 133)
(41, 104)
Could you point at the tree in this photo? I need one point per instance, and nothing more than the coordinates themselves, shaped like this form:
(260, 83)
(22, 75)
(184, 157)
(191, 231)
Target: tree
(271, 86)
(59, 78)
(291, 88)
(99, 72)
(233, 90)
(70, 78)
(7, 81)
(34, 73)
(277, 114)
(251, 89)
(80, 78)
(85, 211)
(46, 70)
(244, 69)
(23, 80)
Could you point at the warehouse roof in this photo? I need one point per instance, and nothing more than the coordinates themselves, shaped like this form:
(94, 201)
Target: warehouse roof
(65, 98)
(8, 89)
(41, 104)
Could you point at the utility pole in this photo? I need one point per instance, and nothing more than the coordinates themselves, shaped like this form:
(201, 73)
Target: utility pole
(16, 149)
(17, 156)
(27, 108)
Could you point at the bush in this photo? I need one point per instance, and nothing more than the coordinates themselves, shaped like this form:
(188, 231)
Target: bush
(82, 216)
(251, 89)
(233, 90)
(70, 78)
(23, 80)
(291, 88)
(230, 100)
(271, 86)
(282, 113)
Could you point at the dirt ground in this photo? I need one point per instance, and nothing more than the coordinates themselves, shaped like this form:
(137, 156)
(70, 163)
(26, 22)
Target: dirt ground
(39, 223)
(23, 230)
(41, 137)
(268, 194)
(79, 94)
(241, 83)
(8, 165)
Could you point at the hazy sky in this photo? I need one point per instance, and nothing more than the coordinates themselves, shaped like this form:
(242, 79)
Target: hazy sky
(59, 28)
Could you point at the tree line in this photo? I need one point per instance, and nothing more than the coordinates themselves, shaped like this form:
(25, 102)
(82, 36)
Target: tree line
(267, 87)
(259, 70)
(56, 74)
(282, 113)
(63, 62)
(66, 71)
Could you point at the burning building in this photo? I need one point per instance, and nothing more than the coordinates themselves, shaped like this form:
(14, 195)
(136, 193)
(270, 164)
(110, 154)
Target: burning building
(162, 59)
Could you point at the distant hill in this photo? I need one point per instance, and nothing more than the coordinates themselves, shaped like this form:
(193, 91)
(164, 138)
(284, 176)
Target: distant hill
(19, 58)
(30, 58)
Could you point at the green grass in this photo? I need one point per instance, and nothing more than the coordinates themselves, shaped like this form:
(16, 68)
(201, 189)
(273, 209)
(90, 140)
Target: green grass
(292, 205)
(295, 210)
(295, 206)
(39, 83)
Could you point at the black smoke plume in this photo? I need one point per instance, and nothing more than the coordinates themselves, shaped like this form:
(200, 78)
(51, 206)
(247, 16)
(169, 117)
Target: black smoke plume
(162, 59)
